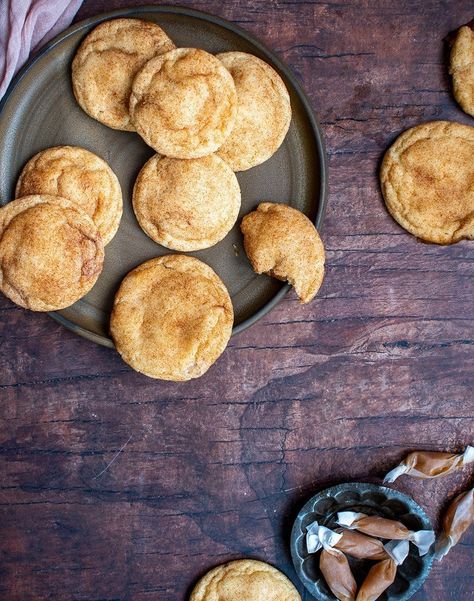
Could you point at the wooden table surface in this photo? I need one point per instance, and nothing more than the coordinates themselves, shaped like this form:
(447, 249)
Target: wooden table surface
(210, 470)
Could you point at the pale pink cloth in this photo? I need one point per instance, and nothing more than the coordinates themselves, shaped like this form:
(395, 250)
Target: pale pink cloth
(25, 26)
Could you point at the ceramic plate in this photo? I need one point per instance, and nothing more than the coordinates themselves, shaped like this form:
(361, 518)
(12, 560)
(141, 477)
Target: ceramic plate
(39, 111)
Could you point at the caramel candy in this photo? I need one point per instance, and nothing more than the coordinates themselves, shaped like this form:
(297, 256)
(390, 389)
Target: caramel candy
(457, 519)
(430, 464)
(337, 574)
(360, 545)
(375, 525)
(382, 574)
(349, 542)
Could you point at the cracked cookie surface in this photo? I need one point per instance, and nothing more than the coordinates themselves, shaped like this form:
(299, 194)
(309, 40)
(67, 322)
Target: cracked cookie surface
(51, 253)
(263, 111)
(283, 243)
(106, 63)
(183, 103)
(461, 68)
(427, 180)
(244, 579)
(80, 176)
(172, 318)
(186, 204)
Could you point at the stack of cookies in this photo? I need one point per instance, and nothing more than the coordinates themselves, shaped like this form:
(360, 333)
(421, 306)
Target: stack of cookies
(206, 117)
(68, 206)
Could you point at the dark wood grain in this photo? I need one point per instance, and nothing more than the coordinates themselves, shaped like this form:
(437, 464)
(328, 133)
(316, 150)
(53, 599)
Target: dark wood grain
(379, 364)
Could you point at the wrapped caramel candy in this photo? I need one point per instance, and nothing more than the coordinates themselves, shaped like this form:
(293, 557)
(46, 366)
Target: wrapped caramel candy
(374, 525)
(382, 574)
(349, 542)
(457, 519)
(360, 545)
(332, 562)
(337, 574)
(430, 464)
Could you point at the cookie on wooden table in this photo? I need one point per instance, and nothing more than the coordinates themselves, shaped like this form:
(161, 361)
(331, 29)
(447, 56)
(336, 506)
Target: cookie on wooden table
(51, 253)
(183, 103)
(78, 175)
(186, 204)
(283, 243)
(244, 579)
(106, 63)
(263, 111)
(427, 180)
(462, 67)
(172, 318)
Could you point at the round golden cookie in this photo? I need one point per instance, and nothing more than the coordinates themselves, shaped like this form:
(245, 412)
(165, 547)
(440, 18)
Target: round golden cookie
(186, 204)
(427, 180)
(106, 63)
(51, 253)
(282, 242)
(172, 318)
(183, 103)
(263, 111)
(244, 580)
(78, 175)
(462, 68)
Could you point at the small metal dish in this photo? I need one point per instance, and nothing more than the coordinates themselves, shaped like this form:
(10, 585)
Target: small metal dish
(372, 500)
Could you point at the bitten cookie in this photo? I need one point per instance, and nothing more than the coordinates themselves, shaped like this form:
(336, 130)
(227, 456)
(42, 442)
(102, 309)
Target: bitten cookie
(263, 111)
(106, 63)
(172, 318)
(427, 181)
(244, 579)
(186, 204)
(282, 242)
(51, 253)
(183, 103)
(78, 175)
(462, 67)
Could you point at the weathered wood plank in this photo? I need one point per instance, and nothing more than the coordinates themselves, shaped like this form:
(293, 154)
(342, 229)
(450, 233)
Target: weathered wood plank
(116, 487)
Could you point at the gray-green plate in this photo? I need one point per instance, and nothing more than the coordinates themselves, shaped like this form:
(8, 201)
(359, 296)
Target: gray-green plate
(39, 110)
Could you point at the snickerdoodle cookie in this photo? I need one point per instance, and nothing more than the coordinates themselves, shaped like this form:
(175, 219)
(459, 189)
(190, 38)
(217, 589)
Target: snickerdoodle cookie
(427, 180)
(183, 103)
(282, 242)
(106, 63)
(78, 175)
(51, 253)
(462, 67)
(263, 111)
(172, 318)
(244, 579)
(186, 204)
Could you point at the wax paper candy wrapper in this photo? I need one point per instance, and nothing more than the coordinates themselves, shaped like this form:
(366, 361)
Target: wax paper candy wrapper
(430, 464)
(457, 519)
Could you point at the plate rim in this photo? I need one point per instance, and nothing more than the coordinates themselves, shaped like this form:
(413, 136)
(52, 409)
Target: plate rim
(316, 130)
